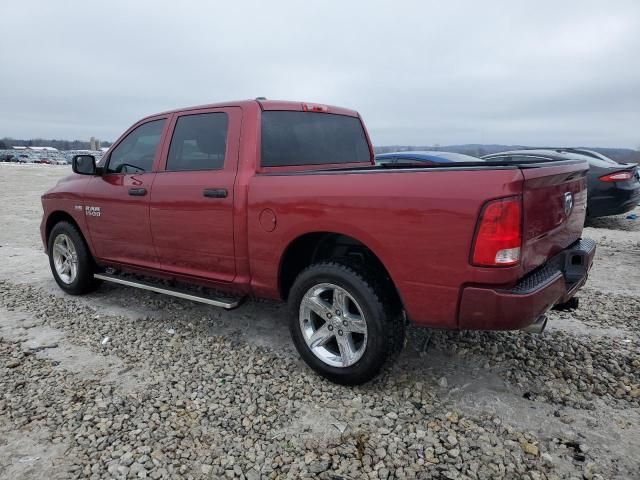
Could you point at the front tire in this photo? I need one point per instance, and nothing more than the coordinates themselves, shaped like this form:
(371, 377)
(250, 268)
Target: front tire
(71, 262)
(343, 323)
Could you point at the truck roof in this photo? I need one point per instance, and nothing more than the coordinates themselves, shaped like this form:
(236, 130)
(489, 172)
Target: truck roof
(267, 105)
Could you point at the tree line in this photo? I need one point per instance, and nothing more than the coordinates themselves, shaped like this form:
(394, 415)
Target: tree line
(7, 143)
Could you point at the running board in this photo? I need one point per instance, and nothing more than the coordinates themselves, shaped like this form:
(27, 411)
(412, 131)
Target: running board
(227, 304)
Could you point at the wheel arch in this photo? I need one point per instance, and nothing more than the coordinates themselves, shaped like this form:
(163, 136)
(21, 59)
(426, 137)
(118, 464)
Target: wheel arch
(313, 247)
(58, 216)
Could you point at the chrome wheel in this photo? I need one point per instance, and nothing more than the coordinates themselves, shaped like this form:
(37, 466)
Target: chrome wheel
(333, 325)
(65, 258)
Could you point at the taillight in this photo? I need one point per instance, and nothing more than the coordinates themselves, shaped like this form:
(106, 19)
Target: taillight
(617, 177)
(499, 233)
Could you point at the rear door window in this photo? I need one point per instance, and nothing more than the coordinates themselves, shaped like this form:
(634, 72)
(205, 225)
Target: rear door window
(312, 138)
(199, 142)
(135, 154)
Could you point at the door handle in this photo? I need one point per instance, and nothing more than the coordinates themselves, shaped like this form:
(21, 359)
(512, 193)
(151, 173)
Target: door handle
(215, 192)
(137, 192)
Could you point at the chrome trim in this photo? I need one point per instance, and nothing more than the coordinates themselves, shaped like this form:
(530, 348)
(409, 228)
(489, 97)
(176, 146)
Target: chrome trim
(329, 318)
(568, 203)
(65, 258)
(228, 305)
(537, 326)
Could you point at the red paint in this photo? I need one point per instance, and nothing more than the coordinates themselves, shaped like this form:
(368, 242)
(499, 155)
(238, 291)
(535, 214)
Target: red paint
(504, 310)
(193, 234)
(420, 224)
(122, 232)
(548, 230)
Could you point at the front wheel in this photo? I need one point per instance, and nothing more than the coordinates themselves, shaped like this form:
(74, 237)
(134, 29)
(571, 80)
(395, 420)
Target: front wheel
(342, 323)
(71, 262)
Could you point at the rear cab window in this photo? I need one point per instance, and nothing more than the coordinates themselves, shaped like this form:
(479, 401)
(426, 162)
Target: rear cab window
(294, 138)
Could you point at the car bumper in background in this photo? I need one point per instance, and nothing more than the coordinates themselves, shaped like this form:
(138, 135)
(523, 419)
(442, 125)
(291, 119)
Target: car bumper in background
(555, 282)
(614, 201)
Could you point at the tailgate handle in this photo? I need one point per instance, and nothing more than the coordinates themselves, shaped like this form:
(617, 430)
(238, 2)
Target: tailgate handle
(137, 192)
(215, 192)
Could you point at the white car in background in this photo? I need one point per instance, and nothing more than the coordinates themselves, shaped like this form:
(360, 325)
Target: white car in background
(24, 158)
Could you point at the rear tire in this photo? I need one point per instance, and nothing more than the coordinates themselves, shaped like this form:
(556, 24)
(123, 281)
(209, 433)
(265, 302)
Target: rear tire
(343, 323)
(70, 260)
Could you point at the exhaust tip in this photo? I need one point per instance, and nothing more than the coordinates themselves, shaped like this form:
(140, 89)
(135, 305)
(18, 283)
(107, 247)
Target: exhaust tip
(537, 326)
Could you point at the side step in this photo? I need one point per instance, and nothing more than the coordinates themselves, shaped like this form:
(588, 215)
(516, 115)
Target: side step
(174, 292)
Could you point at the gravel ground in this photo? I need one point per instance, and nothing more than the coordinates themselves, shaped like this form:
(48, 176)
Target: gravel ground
(130, 384)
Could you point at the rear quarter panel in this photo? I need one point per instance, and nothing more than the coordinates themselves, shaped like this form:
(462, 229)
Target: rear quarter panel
(420, 224)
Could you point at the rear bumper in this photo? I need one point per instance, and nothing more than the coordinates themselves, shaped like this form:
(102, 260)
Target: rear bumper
(553, 283)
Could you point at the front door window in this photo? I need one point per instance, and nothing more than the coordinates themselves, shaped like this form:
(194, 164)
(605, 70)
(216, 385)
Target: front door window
(135, 154)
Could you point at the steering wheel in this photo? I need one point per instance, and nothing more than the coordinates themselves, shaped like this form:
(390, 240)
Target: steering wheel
(148, 158)
(121, 168)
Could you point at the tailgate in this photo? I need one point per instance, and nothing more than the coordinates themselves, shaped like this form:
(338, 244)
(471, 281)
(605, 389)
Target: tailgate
(555, 204)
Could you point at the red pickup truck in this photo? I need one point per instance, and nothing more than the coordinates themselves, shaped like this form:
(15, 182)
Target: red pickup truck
(283, 200)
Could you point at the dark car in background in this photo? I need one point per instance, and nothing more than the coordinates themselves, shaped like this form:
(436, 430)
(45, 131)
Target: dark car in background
(423, 157)
(589, 153)
(613, 188)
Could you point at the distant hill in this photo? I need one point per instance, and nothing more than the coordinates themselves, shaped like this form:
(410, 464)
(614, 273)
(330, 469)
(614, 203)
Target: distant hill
(622, 155)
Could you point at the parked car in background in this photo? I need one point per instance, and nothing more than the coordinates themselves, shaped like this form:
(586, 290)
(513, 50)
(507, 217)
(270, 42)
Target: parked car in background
(69, 154)
(54, 158)
(423, 157)
(613, 188)
(590, 153)
(24, 158)
(282, 200)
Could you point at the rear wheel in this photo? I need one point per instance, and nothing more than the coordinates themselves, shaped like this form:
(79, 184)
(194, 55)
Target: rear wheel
(71, 262)
(342, 323)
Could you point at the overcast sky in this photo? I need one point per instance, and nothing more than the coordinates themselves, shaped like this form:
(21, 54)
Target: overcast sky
(421, 73)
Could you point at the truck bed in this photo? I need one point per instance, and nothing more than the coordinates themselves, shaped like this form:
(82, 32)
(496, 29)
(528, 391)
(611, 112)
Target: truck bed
(420, 221)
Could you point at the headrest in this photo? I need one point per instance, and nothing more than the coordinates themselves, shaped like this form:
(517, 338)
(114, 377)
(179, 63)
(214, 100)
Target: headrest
(211, 142)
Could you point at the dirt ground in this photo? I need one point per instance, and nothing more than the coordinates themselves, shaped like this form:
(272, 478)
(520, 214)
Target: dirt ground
(129, 384)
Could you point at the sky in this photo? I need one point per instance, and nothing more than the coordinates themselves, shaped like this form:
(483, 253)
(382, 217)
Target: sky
(420, 73)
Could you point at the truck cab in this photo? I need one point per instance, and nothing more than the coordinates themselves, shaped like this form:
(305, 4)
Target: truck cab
(283, 200)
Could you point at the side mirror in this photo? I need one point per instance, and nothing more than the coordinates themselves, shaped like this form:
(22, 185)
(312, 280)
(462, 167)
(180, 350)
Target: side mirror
(84, 164)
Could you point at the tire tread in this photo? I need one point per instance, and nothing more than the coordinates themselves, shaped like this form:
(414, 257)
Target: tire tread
(384, 302)
(85, 283)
